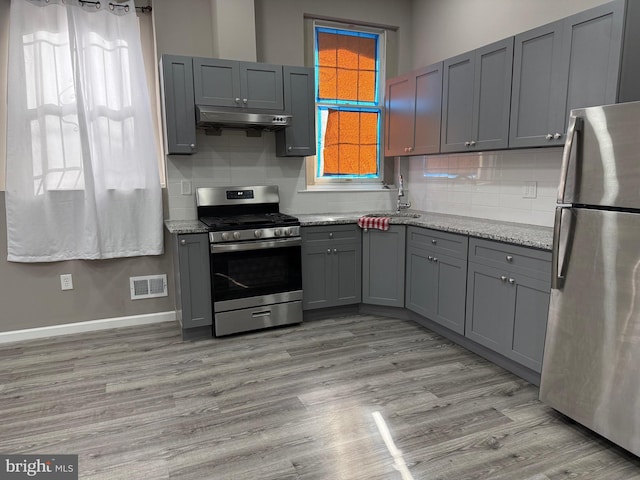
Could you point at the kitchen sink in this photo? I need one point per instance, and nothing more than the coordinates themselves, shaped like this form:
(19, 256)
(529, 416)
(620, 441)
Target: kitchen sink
(393, 215)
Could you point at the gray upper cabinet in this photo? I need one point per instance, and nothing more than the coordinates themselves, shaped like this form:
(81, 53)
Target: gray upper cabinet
(508, 293)
(179, 121)
(331, 266)
(299, 138)
(413, 112)
(383, 263)
(476, 96)
(193, 279)
(571, 63)
(229, 83)
(591, 47)
(436, 276)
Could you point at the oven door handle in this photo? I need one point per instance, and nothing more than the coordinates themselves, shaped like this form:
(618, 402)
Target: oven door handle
(244, 246)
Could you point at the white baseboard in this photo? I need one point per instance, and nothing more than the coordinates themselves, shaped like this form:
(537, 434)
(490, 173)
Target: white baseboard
(90, 326)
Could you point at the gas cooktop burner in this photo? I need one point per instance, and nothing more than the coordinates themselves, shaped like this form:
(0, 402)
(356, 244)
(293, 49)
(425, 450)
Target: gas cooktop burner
(237, 222)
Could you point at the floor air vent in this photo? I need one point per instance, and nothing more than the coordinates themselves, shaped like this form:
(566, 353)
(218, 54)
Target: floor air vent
(149, 286)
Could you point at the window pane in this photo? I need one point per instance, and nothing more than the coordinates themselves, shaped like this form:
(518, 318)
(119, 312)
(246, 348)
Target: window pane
(350, 144)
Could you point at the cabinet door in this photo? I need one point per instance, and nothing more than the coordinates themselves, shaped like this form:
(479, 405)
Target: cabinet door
(383, 266)
(539, 86)
(347, 274)
(316, 276)
(457, 103)
(428, 110)
(592, 47)
(490, 304)
(492, 95)
(177, 99)
(261, 86)
(195, 280)
(299, 138)
(399, 106)
(450, 291)
(529, 326)
(421, 289)
(216, 82)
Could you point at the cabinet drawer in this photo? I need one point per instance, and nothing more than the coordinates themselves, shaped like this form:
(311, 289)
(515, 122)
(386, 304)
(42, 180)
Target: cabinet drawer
(444, 243)
(333, 233)
(526, 261)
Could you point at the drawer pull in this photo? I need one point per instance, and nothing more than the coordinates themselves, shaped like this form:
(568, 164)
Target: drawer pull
(503, 278)
(434, 241)
(429, 258)
(509, 258)
(512, 281)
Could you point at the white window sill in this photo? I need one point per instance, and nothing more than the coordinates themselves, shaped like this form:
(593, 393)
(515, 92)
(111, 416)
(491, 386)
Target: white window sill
(348, 188)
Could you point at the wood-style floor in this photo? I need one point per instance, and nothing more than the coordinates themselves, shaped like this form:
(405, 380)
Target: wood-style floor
(359, 397)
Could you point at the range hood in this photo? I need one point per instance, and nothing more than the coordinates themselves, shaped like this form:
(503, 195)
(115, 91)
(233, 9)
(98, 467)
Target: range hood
(212, 118)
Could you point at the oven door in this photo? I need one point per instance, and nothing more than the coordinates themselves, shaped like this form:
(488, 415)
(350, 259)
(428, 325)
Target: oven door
(246, 274)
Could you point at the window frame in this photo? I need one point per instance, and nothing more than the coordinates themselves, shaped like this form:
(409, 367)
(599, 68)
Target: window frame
(364, 180)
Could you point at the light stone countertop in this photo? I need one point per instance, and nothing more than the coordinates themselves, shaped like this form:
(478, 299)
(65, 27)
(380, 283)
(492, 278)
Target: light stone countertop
(514, 233)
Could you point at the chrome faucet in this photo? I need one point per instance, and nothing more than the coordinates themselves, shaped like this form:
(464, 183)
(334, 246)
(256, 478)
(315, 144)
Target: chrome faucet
(401, 205)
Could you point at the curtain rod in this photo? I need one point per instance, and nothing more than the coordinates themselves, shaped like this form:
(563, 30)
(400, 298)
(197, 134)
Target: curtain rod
(112, 5)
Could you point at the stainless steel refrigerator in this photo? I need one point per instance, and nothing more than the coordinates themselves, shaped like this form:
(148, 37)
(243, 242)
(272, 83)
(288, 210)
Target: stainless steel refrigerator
(591, 365)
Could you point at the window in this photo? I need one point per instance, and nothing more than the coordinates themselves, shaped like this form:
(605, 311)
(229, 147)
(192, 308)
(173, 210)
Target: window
(348, 69)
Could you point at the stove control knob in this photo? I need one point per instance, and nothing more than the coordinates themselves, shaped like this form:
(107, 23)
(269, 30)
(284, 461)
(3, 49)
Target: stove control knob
(225, 236)
(278, 232)
(258, 233)
(236, 235)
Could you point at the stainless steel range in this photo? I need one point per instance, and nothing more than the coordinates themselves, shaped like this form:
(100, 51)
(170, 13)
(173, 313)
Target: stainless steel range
(256, 273)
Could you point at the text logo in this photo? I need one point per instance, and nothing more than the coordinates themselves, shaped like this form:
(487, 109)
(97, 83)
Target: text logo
(44, 467)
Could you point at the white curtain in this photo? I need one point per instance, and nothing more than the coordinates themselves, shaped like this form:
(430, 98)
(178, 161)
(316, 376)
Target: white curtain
(82, 174)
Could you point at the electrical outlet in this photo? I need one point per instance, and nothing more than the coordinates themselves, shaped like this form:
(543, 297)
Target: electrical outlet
(185, 187)
(529, 189)
(66, 281)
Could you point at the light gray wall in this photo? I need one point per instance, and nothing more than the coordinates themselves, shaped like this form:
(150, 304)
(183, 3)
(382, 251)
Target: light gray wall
(445, 28)
(280, 26)
(4, 47)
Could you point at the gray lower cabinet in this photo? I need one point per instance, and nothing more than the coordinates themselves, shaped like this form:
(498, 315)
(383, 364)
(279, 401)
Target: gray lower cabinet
(299, 138)
(436, 276)
(331, 266)
(179, 120)
(383, 263)
(193, 280)
(476, 96)
(508, 291)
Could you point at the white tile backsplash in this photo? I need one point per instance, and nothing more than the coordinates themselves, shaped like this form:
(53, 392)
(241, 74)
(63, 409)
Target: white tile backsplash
(488, 184)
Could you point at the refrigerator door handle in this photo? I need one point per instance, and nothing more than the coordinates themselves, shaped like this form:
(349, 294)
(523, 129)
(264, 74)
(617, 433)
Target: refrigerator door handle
(575, 126)
(562, 239)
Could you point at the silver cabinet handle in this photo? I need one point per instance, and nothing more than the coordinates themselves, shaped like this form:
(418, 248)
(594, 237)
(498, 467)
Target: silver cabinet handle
(548, 136)
(512, 281)
(467, 144)
(472, 143)
(429, 258)
(335, 251)
(244, 100)
(503, 278)
(193, 145)
(509, 258)
(556, 136)
(328, 251)
(183, 242)
(435, 259)
(237, 100)
(411, 149)
(330, 234)
(434, 241)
